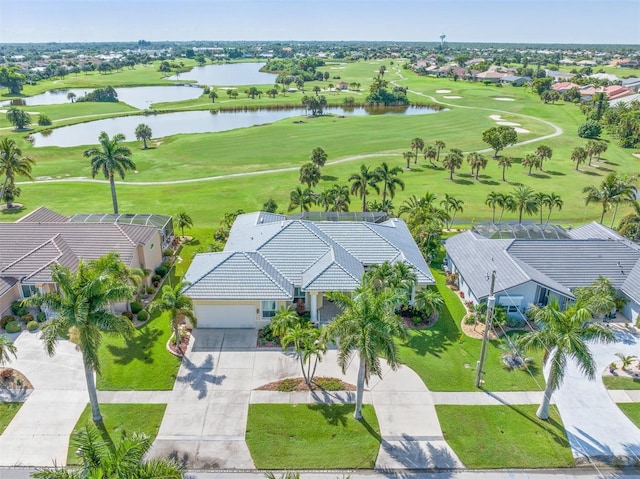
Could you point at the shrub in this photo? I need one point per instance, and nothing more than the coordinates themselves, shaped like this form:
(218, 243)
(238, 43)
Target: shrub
(32, 325)
(288, 385)
(161, 271)
(166, 264)
(44, 120)
(168, 252)
(136, 307)
(13, 327)
(589, 129)
(470, 318)
(6, 319)
(18, 309)
(128, 314)
(515, 322)
(149, 289)
(6, 373)
(416, 320)
(26, 318)
(329, 384)
(154, 278)
(41, 317)
(143, 316)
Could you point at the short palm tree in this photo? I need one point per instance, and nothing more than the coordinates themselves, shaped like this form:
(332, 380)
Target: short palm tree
(418, 145)
(301, 198)
(408, 155)
(12, 164)
(360, 183)
(564, 335)
(525, 201)
(493, 200)
(476, 161)
(110, 158)
(310, 174)
(626, 360)
(579, 155)
(553, 201)
(183, 220)
(367, 327)
(143, 132)
(82, 301)
(179, 306)
(388, 176)
(124, 460)
(429, 302)
(543, 152)
(318, 157)
(541, 201)
(529, 161)
(505, 162)
(452, 161)
(7, 349)
(430, 152)
(439, 144)
(451, 206)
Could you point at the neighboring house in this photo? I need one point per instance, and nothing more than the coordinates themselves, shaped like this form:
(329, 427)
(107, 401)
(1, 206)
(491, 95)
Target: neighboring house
(271, 261)
(625, 99)
(31, 245)
(535, 263)
(514, 80)
(489, 76)
(342, 85)
(605, 76)
(629, 64)
(614, 92)
(558, 76)
(564, 86)
(633, 83)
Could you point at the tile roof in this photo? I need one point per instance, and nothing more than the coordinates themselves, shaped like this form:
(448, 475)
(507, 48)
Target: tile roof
(631, 285)
(6, 284)
(43, 215)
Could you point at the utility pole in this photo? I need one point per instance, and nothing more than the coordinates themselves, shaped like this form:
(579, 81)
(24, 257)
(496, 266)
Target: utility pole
(491, 301)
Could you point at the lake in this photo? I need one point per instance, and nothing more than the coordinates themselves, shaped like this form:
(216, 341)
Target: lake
(191, 122)
(139, 97)
(229, 74)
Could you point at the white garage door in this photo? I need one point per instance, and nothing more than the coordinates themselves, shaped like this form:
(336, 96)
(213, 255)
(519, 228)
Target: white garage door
(225, 316)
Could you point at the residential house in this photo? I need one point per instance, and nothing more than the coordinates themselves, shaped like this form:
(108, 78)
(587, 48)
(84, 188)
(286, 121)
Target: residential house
(614, 92)
(514, 80)
(489, 76)
(342, 85)
(633, 83)
(625, 99)
(271, 261)
(558, 76)
(537, 263)
(31, 245)
(564, 86)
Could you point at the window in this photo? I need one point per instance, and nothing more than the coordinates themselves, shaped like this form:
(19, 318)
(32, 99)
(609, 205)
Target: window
(29, 290)
(269, 309)
(299, 296)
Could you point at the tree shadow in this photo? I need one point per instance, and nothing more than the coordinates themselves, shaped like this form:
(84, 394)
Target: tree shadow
(461, 181)
(334, 414)
(556, 173)
(589, 173)
(137, 347)
(193, 242)
(489, 182)
(328, 178)
(540, 175)
(602, 168)
(199, 376)
(418, 453)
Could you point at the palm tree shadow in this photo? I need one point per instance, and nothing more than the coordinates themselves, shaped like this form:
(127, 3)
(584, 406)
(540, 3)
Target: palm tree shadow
(199, 376)
(418, 453)
(137, 347)
(555, 173)
(328, 178)
(589, 173)
(461, 181)
(334, 414)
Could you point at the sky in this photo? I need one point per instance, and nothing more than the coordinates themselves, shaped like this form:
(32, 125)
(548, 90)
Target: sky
(493, 21)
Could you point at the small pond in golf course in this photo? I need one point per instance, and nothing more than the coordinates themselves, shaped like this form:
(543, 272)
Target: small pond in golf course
(229, 74)
(193, 122)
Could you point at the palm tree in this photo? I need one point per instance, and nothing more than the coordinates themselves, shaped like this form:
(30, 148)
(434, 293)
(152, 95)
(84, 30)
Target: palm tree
(451, 205)
(340, 198)
(179, 306)
(579, 155)
(7, 348)
(301, 198)
(408, 155)
(403, 280)
(553, 201)
(626, 192)
(111, 158)
(564, 335)
(429, 302)
(367, 327)
(418, 145)
(476, 161)
(630, 225)
(452, 161)
(524, 201)
(613, 190)
(439, 144)
(318, 157)
(13, 164)
(529, 161)
(505, 162)
(541, 202)
(143, 132)
(626, 360)
(493, 200)
(71, 97)
(591, 148)
(600, 148)
(19, 118)
(310, 174)
(82, 302)
(508, 203)
(360, 182)
(389, 178)
(430, 152)
(213, 95)
(124, 460)
(286, 318)
(183, 220)
(543, 152)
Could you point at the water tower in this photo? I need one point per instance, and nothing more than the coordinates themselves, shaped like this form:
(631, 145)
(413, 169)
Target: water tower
(442, 37)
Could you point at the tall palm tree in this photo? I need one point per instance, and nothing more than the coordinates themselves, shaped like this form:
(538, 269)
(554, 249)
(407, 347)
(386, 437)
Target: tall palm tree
(179, 306)
(440, 145)
(493, 200)
(553, 201)
(525, 201)
(543, 152)
(310, 174)
(507, 203)
(579, 155)
(13, 164)
(340, 198)
(318, 157)
(430, 152)
(591, 148)
(600, 148)
(476, 161)
(630, 225)
(417, 144)
(613, 190)
(505, 162)
(82, 302)
(403, 280)
(529, 161)
(7, 349)
(183, 220)
(389, 178)
(408, 155)
(360, 182)
(143, 132)
(452, 206)
(110, 158)
(626, 192)
(564, 335)
(367, 327)
(541, 202)
(452, 161)
(301, 198)
(124, 460)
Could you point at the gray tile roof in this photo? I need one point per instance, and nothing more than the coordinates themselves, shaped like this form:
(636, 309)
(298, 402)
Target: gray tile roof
(6, 284)
(631, 285)
(43, 215)
(336, 270)
(594, 230)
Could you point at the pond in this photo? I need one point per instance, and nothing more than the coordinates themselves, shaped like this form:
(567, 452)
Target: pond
(191, 122)
(229, 74)
(139, 97)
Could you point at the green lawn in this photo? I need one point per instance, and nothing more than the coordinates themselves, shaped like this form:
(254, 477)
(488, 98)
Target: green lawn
(632, 410)
(446, 359)
(7, 411)
(615, 382)
(505, 436)
(141, 362)
(118, 419)
(312, 436)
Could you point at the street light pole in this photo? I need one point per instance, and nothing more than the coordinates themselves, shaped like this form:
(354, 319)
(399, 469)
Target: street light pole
(491, 301)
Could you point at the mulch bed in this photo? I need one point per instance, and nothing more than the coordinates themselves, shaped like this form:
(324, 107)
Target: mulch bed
(298, 385)
(17, 380)
(182, 348)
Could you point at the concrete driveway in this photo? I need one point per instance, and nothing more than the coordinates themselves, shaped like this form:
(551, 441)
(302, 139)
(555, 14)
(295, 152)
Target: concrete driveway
(39, 434)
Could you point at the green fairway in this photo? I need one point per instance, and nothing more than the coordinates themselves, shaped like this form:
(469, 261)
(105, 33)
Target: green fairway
(118, 420)
(141, 362)
(446, 359)
(7, 411)
(312, 436)
(505, 436)
(614, 382)
(632, 410)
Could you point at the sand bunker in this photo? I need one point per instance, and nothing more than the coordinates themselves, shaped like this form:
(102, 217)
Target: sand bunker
(637, 155)
(451, 97)
(495, 117)
(443, 91)
(521, 130)
(507, 123)
(502, 98)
